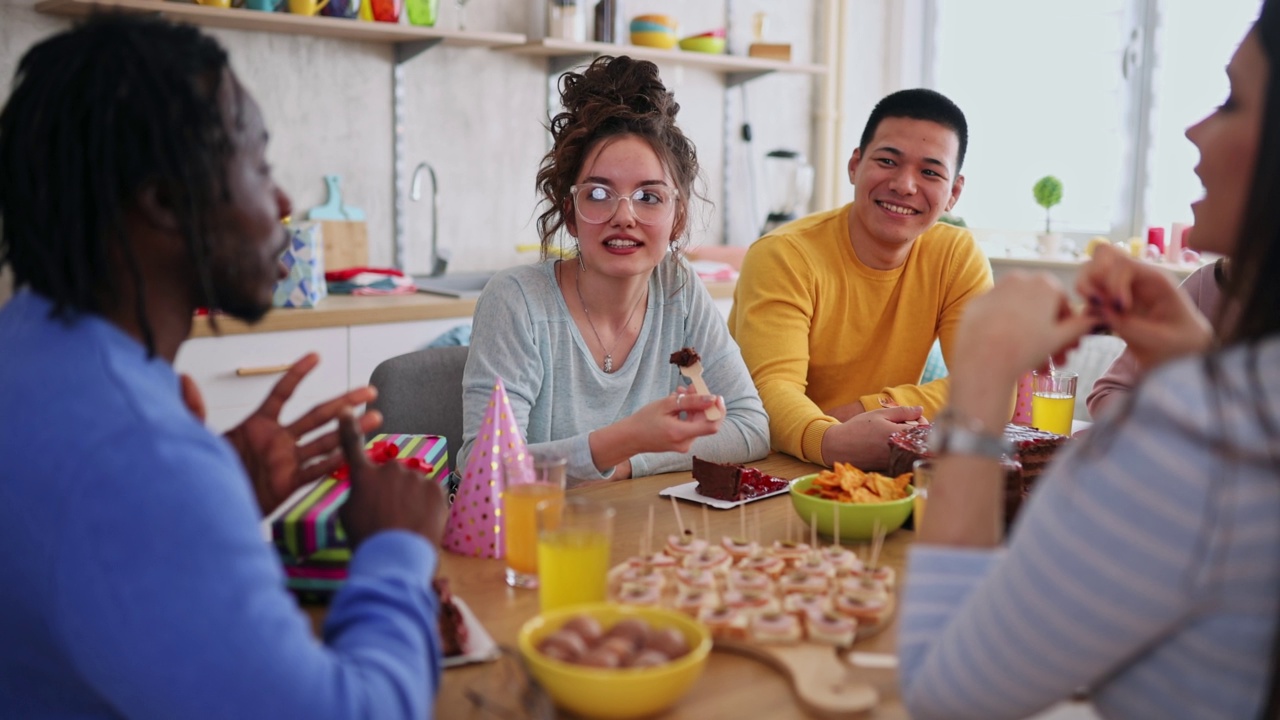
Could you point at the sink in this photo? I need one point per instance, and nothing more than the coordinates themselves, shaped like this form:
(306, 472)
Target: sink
(459, 285)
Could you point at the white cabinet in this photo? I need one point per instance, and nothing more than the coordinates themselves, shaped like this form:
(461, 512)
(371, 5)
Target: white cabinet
(371, 344)
(236, 372)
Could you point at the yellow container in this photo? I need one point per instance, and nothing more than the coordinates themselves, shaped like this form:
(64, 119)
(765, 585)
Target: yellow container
(623, 693)
(664, 41)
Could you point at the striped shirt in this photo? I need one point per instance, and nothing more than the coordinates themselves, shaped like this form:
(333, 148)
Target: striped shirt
(1146, 567)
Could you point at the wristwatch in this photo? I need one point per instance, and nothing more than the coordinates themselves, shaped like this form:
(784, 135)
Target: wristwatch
(955, 434)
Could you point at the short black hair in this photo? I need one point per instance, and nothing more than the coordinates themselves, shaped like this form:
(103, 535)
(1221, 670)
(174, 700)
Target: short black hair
(919, 104)
(98, 113)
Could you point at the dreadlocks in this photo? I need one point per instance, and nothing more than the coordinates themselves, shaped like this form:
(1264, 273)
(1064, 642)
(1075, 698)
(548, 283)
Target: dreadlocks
(97, 114)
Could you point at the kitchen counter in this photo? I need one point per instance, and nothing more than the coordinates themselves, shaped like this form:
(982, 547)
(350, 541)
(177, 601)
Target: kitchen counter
(347, 310)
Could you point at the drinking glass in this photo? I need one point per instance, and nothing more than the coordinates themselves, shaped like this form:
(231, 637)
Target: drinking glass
(423, 12)
(921, 478)
(520, 500)
(1053, 401)
(462, 13)
(574, 537)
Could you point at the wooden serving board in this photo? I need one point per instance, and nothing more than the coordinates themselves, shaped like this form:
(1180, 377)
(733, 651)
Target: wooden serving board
(820, 675)
(346, 244)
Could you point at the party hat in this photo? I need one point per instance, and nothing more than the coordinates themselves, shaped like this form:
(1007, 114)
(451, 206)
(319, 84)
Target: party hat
(1022, 408)
(498, 457)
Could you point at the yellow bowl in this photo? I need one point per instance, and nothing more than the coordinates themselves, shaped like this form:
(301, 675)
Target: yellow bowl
(665, 41)
(703, 44)
(857, 520)
(625, 692)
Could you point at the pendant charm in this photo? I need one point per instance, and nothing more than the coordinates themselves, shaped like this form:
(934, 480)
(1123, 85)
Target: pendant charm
(608, 363)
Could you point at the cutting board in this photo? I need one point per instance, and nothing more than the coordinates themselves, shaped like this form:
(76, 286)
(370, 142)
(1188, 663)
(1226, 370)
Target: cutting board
(821, 678)
(346, 239)
(346, 244)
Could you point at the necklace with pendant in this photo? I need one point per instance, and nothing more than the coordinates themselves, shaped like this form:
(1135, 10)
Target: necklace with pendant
(608, 351)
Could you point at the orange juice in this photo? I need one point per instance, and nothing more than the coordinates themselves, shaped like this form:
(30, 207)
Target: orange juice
(1052, 412)
(520, 513)
(572, 567)
(917, 509)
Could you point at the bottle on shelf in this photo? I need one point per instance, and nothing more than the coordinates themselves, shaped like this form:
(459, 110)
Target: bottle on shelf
(567, 20)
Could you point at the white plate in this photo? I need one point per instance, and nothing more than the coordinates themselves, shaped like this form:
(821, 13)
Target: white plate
(481, 647)
(688, 491)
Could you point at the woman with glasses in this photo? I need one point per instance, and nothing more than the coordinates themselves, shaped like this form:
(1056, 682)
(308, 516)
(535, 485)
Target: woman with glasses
(583, 344)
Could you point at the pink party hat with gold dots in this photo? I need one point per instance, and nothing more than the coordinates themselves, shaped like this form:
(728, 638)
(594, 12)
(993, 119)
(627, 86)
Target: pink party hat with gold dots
(498, 457)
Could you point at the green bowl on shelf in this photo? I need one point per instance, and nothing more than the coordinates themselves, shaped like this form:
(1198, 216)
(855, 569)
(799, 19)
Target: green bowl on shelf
(703, 44)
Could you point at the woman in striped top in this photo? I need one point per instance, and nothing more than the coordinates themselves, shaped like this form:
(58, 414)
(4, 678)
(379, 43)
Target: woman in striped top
(1146, 568)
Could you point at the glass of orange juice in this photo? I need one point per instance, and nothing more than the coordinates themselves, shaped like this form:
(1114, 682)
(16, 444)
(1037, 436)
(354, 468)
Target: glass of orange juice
(1053, 401)
(921, 479)
(520, 500)
(573, 552)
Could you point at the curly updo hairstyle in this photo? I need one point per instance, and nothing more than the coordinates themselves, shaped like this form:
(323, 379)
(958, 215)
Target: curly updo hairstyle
(613, 97)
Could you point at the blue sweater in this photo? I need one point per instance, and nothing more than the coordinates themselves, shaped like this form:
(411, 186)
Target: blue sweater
(136, 582)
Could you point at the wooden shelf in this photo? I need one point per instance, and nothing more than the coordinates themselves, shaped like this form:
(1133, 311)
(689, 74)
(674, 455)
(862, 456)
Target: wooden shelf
(737, 67)
(238, 19)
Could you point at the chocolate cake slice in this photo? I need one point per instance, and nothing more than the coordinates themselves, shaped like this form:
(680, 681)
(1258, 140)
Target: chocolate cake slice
(1033, 449)
(453, 628)
(732, 482)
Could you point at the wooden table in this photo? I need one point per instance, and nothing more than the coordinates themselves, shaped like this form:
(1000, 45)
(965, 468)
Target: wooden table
(732, 686)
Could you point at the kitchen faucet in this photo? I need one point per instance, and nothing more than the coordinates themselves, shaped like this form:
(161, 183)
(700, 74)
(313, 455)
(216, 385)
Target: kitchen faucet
(438, 261)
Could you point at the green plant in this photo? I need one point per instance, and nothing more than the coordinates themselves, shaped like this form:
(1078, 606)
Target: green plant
(1048, 192)
(950, 219)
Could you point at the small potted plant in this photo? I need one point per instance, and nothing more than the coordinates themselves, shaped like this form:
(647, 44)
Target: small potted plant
(1048, 192)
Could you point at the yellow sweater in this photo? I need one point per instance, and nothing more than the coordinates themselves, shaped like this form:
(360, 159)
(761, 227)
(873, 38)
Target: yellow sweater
(820, 329)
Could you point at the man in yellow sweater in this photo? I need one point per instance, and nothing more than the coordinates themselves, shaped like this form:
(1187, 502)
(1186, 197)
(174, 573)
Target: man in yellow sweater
(836, 312)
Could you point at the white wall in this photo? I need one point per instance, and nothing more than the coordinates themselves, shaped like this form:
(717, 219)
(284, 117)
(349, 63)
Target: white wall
(477, 116)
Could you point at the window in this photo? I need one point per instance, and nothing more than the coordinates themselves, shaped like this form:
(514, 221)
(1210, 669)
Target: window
(1096, 92)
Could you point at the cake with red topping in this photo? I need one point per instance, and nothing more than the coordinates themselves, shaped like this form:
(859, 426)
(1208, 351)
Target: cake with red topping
(1033, 449)
(725, 481)
(453, 629)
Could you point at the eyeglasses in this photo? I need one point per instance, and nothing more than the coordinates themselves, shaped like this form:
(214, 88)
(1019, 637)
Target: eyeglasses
(650, 204)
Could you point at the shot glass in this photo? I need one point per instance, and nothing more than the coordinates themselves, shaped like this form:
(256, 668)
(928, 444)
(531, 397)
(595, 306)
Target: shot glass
(922, 479)
(520, 500)
(574, 539)
(1053, 401)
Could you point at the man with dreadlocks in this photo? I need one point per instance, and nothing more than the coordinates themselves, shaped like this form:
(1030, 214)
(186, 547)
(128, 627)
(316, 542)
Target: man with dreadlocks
(134, 189)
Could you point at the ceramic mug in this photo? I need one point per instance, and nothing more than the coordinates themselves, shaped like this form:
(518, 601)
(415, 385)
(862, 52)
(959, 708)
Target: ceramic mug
(423, 12)
(263, 5)
(386, 10)
(343, 8)
(306, 7)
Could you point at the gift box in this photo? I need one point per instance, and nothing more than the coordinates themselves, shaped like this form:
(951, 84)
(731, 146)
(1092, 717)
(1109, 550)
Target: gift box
(307, 532)
(304, 285)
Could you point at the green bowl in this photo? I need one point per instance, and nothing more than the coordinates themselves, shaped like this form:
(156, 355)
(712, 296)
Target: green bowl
(857, 520)
(703, 44)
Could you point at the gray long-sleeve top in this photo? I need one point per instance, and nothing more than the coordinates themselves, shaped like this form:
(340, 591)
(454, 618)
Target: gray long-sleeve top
(523, 333)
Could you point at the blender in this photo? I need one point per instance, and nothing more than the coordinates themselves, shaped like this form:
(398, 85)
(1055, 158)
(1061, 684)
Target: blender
(789, 183)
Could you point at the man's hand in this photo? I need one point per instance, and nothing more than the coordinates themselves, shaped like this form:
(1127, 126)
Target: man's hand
(864, 439)
(389, 496)
(270, 452)
(844, 413)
